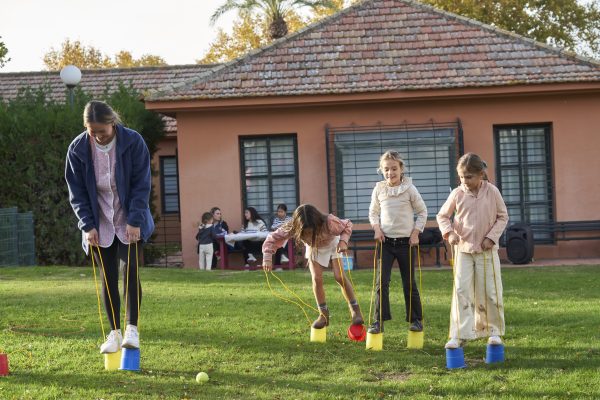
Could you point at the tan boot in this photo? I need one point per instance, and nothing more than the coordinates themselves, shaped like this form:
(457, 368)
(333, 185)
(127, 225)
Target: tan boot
(322, 321)
(357, 318)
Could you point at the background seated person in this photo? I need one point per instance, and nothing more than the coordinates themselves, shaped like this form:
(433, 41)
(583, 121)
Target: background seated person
(281, 217)
(252, 223)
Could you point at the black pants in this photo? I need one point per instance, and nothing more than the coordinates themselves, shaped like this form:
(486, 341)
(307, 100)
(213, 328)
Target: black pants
(278, 253)
(397, 249)
(251, 246)
(113, 257)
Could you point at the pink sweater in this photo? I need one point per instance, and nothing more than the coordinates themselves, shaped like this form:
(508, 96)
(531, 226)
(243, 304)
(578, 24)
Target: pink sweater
(335, 227)
(475, 218)
(112, 217)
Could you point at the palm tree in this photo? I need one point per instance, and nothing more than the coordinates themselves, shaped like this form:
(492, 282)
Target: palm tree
(275, 11)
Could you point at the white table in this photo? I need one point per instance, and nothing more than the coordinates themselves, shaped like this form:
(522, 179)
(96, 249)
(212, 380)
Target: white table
(237, 237)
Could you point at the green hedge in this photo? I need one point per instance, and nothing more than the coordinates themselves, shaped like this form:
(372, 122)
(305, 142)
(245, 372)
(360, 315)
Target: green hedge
(34, 135)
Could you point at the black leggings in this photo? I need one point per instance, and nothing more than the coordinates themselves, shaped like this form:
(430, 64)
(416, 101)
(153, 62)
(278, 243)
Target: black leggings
(113, 257)
(397, 249)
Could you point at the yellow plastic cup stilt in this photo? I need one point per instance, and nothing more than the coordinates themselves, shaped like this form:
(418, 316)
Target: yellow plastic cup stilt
(415, 340)
(318, 335)
(112, 361)
(374, 341)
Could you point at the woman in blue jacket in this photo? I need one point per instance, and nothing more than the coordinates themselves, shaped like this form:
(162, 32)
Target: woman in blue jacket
(108, 175)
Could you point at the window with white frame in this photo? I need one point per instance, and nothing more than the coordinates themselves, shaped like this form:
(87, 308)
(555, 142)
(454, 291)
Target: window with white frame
(429, 151)
(269, 168)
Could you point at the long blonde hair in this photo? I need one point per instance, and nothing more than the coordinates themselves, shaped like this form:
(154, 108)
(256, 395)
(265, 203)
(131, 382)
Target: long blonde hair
(307, 216)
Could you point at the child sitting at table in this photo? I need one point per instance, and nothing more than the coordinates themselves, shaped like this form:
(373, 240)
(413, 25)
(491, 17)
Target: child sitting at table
(280, 218)
(252, 223)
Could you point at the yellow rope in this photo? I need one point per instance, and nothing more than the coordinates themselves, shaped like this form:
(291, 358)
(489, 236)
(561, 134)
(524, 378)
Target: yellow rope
(380, 287)
(112, 308)
(371, 301)
(420, 282)
(487, 322)
(410, 284)
(97, 293)
(497, 297)
(127, 286)
(341, 268)
(137, 269)
(454, 256)
(286, 299)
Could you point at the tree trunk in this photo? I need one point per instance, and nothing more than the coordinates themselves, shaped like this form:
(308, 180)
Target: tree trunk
(278, 28)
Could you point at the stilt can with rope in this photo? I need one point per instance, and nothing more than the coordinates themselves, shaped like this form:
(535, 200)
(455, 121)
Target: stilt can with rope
(318, 335)
(415, 340)
(455, 358)
(375, 341)
(130, 360)
(3, 364)
(112, 361)
(494, 353)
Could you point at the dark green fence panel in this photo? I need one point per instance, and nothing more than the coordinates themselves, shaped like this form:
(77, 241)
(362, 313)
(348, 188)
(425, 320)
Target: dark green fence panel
(17, 238)
(9, 251)
(26, 238)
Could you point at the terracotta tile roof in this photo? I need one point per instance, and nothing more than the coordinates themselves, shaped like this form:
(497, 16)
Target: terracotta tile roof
(96, 81)
(387, 45)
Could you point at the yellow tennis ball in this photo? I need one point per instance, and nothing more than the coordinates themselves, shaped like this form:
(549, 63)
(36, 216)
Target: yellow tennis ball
(202, 377)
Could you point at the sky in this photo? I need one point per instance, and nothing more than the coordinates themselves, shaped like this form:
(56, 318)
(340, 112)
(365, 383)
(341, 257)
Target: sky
(177, 30)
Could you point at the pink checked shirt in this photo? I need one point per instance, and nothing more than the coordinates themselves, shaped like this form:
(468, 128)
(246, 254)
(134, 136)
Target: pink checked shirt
(335, 226)
(475, 218)
(112, 217)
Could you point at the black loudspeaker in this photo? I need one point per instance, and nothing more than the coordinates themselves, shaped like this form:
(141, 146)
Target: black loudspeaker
(519, 244)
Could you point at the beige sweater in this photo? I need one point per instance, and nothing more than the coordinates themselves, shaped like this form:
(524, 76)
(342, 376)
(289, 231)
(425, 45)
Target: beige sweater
(475, 218)
(394, 209)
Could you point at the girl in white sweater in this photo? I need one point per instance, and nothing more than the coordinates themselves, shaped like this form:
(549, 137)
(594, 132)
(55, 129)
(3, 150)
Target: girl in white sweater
(394, 203)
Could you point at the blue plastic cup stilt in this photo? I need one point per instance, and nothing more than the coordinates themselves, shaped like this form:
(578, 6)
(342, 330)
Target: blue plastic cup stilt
(130, 360)
(455, 358)
(494, 353)
(348, 263)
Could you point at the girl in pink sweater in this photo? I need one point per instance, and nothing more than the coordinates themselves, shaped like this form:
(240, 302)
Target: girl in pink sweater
(325, 237)
(480, 217)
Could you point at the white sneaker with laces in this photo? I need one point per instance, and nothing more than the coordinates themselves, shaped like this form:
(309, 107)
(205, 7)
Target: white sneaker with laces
(284, 259)
(113, 342)
(454, 343)
(251, 257)
(495, 340)
(132, 338)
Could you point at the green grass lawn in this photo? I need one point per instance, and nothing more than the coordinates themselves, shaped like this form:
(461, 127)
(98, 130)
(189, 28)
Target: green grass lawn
(254, 345)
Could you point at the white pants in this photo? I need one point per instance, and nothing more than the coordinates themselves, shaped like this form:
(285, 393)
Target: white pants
(205, 255)
(477, 306)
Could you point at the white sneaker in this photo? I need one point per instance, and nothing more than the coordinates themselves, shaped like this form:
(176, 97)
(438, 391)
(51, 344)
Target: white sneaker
(113, 342)
(251, 257)
(495, 340)
(454, 343)
(132, 338)
(284, 259)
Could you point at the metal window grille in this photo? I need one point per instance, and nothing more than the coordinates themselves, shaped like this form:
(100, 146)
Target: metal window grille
(430, 152)
(524, 174)
(269, 167)
(169, 181)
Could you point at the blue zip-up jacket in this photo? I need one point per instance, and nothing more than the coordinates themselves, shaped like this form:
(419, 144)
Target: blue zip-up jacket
(133, 181)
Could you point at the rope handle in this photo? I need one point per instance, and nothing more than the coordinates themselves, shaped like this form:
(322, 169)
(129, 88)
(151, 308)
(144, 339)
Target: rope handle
(290, 291)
